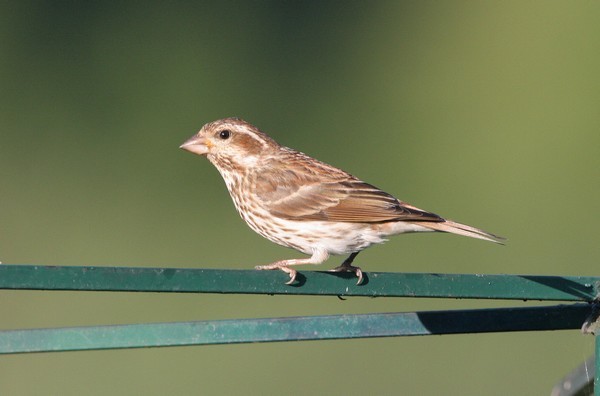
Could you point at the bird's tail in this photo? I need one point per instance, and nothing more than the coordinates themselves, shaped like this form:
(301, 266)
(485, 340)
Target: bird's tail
(463, 229)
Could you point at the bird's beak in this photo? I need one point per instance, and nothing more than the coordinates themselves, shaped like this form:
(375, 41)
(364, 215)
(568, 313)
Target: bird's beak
(197, 145)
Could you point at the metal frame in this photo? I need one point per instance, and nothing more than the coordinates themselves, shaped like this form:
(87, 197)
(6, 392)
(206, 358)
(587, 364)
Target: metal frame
(581, 314)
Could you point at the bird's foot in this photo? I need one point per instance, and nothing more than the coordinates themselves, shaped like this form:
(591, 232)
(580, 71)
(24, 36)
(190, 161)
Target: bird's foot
(349, 268)
(290, 271)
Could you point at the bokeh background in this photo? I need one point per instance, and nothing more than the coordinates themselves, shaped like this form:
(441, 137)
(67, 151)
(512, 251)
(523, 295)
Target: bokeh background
(483, 112)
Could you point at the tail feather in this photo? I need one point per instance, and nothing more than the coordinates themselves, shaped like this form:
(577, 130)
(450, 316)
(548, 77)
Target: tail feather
(463, 229)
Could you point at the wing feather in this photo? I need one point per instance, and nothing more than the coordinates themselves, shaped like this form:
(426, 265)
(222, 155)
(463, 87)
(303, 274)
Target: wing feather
(308, 195)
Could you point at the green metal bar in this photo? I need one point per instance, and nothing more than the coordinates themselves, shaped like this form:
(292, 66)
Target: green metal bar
(294, 329)
(597, 371)
(578, 382)
(515, 287)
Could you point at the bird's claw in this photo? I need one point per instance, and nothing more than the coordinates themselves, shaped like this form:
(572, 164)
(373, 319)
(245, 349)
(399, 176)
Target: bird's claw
(350, 268)
(290, 271)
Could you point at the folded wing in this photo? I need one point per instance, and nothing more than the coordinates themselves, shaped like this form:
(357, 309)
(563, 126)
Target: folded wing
(338, 197)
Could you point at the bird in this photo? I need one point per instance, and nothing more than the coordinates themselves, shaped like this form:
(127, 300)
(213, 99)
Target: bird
(302, 203)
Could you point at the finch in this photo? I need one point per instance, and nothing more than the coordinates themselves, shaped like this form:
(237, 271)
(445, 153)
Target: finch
(302, 203)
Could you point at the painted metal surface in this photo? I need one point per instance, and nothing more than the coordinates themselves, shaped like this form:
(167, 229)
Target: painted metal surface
(558, 317)
(178, 280)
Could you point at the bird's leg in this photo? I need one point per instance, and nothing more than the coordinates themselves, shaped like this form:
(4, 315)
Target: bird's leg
(348, 267)
(317, 258)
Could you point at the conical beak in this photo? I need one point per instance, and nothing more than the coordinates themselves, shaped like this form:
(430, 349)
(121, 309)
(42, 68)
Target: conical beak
(196, 144)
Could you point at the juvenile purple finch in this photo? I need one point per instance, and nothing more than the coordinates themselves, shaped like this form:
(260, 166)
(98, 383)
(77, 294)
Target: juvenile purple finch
(302, 203)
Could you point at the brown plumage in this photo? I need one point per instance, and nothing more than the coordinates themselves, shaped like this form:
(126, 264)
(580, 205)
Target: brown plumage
(300, 202)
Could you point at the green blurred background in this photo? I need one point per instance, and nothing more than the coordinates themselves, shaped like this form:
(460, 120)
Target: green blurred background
(483, 112)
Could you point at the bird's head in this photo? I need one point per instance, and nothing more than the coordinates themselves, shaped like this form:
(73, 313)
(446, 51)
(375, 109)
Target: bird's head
(231, 141)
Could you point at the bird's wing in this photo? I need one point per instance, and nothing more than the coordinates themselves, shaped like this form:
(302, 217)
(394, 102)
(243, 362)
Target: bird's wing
(302, 194)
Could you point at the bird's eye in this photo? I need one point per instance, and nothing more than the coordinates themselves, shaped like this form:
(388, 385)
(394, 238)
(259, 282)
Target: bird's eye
(225, 134)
